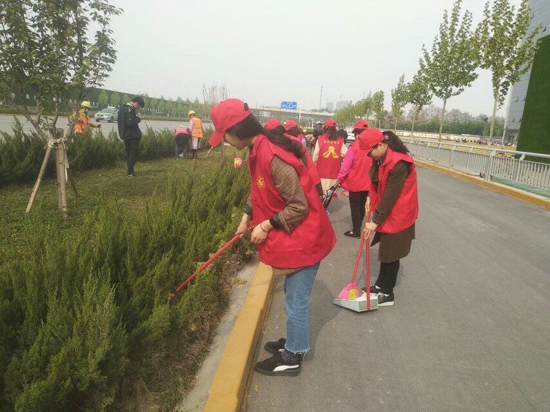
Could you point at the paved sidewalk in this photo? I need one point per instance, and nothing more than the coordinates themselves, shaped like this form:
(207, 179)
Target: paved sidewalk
(470, 329)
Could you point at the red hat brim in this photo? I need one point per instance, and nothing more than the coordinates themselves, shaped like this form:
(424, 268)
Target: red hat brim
(216, 138)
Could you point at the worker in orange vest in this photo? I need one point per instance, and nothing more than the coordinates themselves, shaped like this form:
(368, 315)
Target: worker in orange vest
(82, 123)
(195, 125)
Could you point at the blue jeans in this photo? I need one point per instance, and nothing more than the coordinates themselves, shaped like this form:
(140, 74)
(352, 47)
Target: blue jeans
(297, 290)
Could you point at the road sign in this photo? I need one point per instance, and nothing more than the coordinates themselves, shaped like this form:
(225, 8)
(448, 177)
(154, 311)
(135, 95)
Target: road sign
(289, 105)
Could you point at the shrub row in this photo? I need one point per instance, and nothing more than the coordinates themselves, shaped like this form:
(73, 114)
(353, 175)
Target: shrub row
(21, 154)
(92, 320)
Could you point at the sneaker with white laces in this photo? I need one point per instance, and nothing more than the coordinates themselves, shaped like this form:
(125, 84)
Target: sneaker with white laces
(385, 299)
(373, 289)
(275, 347)
(276, 365)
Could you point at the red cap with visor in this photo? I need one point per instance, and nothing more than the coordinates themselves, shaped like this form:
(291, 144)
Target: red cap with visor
(361, 125)
(225, 115)
(330, 123)
(370, 138)
(272, 124)
(290, 124)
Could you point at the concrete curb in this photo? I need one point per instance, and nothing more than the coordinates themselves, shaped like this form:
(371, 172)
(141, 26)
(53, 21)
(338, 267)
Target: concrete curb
(228, 387)
(509, 191)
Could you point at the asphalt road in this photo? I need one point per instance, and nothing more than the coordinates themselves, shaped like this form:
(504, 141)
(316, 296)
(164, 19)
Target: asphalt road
(6, 122)
(470, 328)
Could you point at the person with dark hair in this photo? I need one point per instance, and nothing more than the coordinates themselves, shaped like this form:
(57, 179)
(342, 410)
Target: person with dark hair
(393, 199)
(295, 132)
(329, 152)
(129, 131)
(343, 133)
(275, 127)
(292, 230)
(353, 176)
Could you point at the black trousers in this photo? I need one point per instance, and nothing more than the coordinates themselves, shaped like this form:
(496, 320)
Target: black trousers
(357, 202)
(388, 276)
(132, 152)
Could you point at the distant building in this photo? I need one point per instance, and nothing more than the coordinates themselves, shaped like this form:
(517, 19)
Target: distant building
(343, 103)
(540, 15)
(330, 106)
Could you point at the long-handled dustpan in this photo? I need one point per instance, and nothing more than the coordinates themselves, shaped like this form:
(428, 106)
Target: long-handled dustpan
(351, 297)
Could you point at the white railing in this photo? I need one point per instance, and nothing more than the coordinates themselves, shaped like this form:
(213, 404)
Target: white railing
(488, 163)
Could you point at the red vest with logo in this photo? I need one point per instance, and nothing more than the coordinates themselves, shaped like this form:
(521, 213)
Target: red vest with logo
(357, 179)
(330, 157)
(310, 165)
(405, 211)
(313, 238)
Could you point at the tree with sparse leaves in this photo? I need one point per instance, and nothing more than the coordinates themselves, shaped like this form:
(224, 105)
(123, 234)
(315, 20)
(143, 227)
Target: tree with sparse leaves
(451, 65)
(398, 100)
(378, 107)
(115, 99)
(54, 48)
(507, 51)
(103, 99)
(418, 96)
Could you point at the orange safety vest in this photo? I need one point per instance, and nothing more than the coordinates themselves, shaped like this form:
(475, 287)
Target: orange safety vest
(82, 124)
(197, 128)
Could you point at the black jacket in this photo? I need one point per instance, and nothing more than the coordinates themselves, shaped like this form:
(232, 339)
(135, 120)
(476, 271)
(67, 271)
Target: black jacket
(128, 123)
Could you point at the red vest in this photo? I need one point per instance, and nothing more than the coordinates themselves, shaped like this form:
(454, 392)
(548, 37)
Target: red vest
(313, 173)
(313, 238)
(405, 210)
(330, 157)
(357, 179)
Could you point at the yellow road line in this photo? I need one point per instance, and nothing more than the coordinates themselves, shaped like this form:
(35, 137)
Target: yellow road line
(228, 387)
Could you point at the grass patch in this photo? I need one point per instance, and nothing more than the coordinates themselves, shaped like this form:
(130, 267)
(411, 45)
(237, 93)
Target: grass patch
(88, 317)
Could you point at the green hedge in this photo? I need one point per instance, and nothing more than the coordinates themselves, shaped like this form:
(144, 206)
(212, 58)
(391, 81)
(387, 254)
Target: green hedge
(534, 134)
(92, 320)
(21, 154)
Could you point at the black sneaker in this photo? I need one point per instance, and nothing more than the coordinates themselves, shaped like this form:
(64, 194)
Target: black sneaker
(276, 346)
(385, 299)
(276, 365)
(373, 289)
(350, 233)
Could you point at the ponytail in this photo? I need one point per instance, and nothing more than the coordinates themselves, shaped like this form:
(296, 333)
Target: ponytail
(394, 142)
(251, 127)
(278, 138)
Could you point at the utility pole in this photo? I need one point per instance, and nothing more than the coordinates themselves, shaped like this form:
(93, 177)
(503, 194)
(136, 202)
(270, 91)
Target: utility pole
(320, 98)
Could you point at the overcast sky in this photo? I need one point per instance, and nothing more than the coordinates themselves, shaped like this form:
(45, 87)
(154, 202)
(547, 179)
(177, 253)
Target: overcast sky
(269, 51)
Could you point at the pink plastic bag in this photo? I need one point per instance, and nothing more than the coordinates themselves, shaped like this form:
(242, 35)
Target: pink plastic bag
(350, 292)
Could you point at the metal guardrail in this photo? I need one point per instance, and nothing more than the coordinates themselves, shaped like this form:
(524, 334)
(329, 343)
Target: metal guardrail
(488, 163)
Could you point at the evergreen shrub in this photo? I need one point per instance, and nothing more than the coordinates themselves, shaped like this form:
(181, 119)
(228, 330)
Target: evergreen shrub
(93, 318)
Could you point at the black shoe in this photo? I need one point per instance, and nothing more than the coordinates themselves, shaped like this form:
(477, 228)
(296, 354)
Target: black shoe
(385, 299)
(350, 233)
(276, 365)
(276, 346)
(373, 289)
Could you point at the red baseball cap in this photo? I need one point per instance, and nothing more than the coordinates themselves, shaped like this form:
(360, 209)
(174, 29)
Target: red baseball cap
(225, 115)
(370, 138)
(290, 124)
(272, 124)
(360, 125)
(330, 123)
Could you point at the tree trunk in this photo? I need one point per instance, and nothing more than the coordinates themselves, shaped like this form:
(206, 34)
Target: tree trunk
(415, 115)
(395, 126)
(493, 120)
(442, 118)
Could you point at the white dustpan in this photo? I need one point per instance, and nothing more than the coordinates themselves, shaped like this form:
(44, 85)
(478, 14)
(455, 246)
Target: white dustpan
(359, 304)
